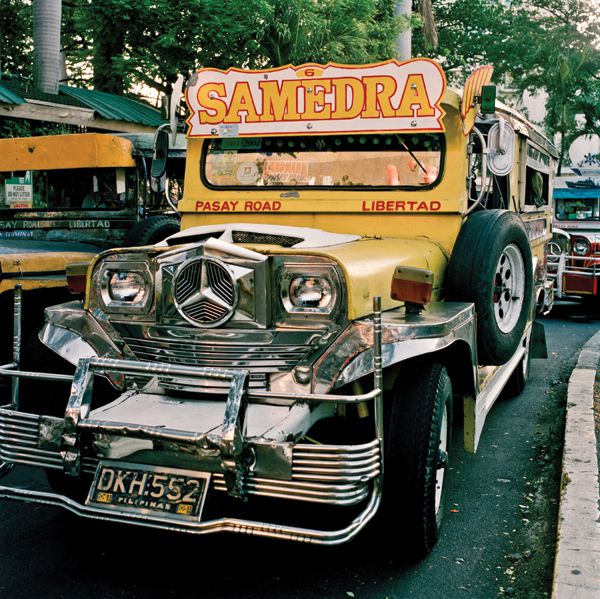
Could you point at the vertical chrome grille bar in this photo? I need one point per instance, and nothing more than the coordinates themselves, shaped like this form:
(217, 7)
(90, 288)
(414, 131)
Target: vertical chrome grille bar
(18, 309)
(378, 376)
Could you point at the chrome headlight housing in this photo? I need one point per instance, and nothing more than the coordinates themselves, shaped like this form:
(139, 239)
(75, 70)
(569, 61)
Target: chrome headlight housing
(125, 287)
(307, 288)
(581, 246)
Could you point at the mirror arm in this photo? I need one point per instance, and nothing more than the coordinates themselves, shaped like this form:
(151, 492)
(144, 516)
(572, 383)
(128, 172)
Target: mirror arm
(484, 175)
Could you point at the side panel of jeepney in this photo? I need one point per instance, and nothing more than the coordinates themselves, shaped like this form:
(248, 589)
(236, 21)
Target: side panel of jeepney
(534, 200)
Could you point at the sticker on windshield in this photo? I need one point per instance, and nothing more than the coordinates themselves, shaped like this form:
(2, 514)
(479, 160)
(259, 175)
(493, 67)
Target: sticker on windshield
(247, 173)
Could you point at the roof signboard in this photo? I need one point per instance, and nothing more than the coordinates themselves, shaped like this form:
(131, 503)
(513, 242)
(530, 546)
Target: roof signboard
(316, 99)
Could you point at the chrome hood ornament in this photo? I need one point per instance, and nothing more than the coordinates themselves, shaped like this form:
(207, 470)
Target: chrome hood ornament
(205, 291)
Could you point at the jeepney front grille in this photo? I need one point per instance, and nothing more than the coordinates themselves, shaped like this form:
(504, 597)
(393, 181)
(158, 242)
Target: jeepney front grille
(255, 358)
(329, 474)
(258, 358)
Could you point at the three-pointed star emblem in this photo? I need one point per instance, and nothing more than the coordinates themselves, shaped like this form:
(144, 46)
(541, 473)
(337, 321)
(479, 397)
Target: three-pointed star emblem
(205, 292)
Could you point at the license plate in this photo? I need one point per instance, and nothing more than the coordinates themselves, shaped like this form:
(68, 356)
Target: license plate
(139, 488)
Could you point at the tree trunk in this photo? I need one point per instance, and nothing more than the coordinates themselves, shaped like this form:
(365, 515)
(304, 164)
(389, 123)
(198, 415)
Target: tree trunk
(109, 43)
(46, 44)
(404, 39)
(429, 29)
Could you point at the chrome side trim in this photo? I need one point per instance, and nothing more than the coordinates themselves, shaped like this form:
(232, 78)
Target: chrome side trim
(73, 333)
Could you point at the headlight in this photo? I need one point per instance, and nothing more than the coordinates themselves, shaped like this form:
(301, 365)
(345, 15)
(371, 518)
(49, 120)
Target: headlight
(581, 247)
(311, 292)
(124, 287)
(309, 288)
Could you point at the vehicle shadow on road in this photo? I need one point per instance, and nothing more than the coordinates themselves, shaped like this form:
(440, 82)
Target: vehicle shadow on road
(150, 563)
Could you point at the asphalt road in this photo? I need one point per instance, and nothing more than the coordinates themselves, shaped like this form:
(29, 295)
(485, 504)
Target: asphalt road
(497, 541)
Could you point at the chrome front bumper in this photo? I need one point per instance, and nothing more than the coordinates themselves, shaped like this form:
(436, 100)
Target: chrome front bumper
(243, 462)
(573, 275)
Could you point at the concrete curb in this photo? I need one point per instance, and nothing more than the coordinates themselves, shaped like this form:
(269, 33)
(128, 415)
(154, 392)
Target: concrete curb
(577, 562)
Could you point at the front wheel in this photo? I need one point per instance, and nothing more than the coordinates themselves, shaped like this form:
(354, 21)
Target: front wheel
(152, 230)
(417, 443)
(5, 468)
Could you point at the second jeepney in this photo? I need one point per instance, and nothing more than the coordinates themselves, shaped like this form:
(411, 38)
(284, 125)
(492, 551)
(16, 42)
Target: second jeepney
(64, 199)
(361, 260)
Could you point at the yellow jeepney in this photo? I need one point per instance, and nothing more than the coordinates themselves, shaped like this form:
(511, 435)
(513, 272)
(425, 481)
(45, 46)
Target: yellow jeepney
(63, 199)
(360, 263)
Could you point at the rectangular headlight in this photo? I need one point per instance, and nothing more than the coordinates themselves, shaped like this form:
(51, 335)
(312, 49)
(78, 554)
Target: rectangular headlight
(307, 288)
(125, 286)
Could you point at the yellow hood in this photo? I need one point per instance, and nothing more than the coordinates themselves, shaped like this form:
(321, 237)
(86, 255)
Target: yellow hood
(368, 266)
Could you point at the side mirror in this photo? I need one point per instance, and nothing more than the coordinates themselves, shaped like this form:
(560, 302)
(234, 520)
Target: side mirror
(176, 95)
(159, 159)
(501, 148)
(161, 152)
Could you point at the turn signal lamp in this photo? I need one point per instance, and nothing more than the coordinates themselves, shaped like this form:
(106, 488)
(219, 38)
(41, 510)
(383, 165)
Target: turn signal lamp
(412, 286)
(76, 277)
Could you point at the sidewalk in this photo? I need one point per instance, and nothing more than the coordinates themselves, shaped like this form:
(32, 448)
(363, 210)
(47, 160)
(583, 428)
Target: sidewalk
(577, 564)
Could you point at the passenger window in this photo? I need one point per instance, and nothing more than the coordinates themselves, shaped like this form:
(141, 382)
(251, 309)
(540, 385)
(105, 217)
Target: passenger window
(536, 188)
(537, 178)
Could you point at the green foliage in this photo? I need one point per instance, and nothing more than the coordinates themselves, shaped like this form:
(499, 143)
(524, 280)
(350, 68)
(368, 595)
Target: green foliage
(343, 31)
(550, 46)
(10, 127)
(564, 53)
(149, 42)
(15, 37)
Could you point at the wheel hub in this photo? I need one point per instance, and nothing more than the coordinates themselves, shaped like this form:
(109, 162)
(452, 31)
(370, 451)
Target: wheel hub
(509, 288)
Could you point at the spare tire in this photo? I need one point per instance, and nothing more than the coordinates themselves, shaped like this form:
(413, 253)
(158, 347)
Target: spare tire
(491, 266)
(152, 230)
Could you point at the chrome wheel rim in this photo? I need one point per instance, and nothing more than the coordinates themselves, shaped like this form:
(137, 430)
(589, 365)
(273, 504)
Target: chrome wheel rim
(442, 461)
(509, 288)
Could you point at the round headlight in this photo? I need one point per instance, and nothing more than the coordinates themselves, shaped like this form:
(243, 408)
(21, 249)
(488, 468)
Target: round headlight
(126, 286)
(311, 292)
(581, 247)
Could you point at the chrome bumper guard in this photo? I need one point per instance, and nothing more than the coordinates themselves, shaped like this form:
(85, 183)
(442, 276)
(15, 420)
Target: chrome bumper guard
(321, 474)
(570, 264)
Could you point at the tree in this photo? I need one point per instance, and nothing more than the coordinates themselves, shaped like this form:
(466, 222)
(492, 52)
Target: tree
(534, 45)
(15, 38)
(470, 33)
(563, 54)
(149, 42)
(343, 31)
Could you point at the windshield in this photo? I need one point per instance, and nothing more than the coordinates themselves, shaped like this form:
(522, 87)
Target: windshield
(578, 209)
(357, 161)
(68, 189)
